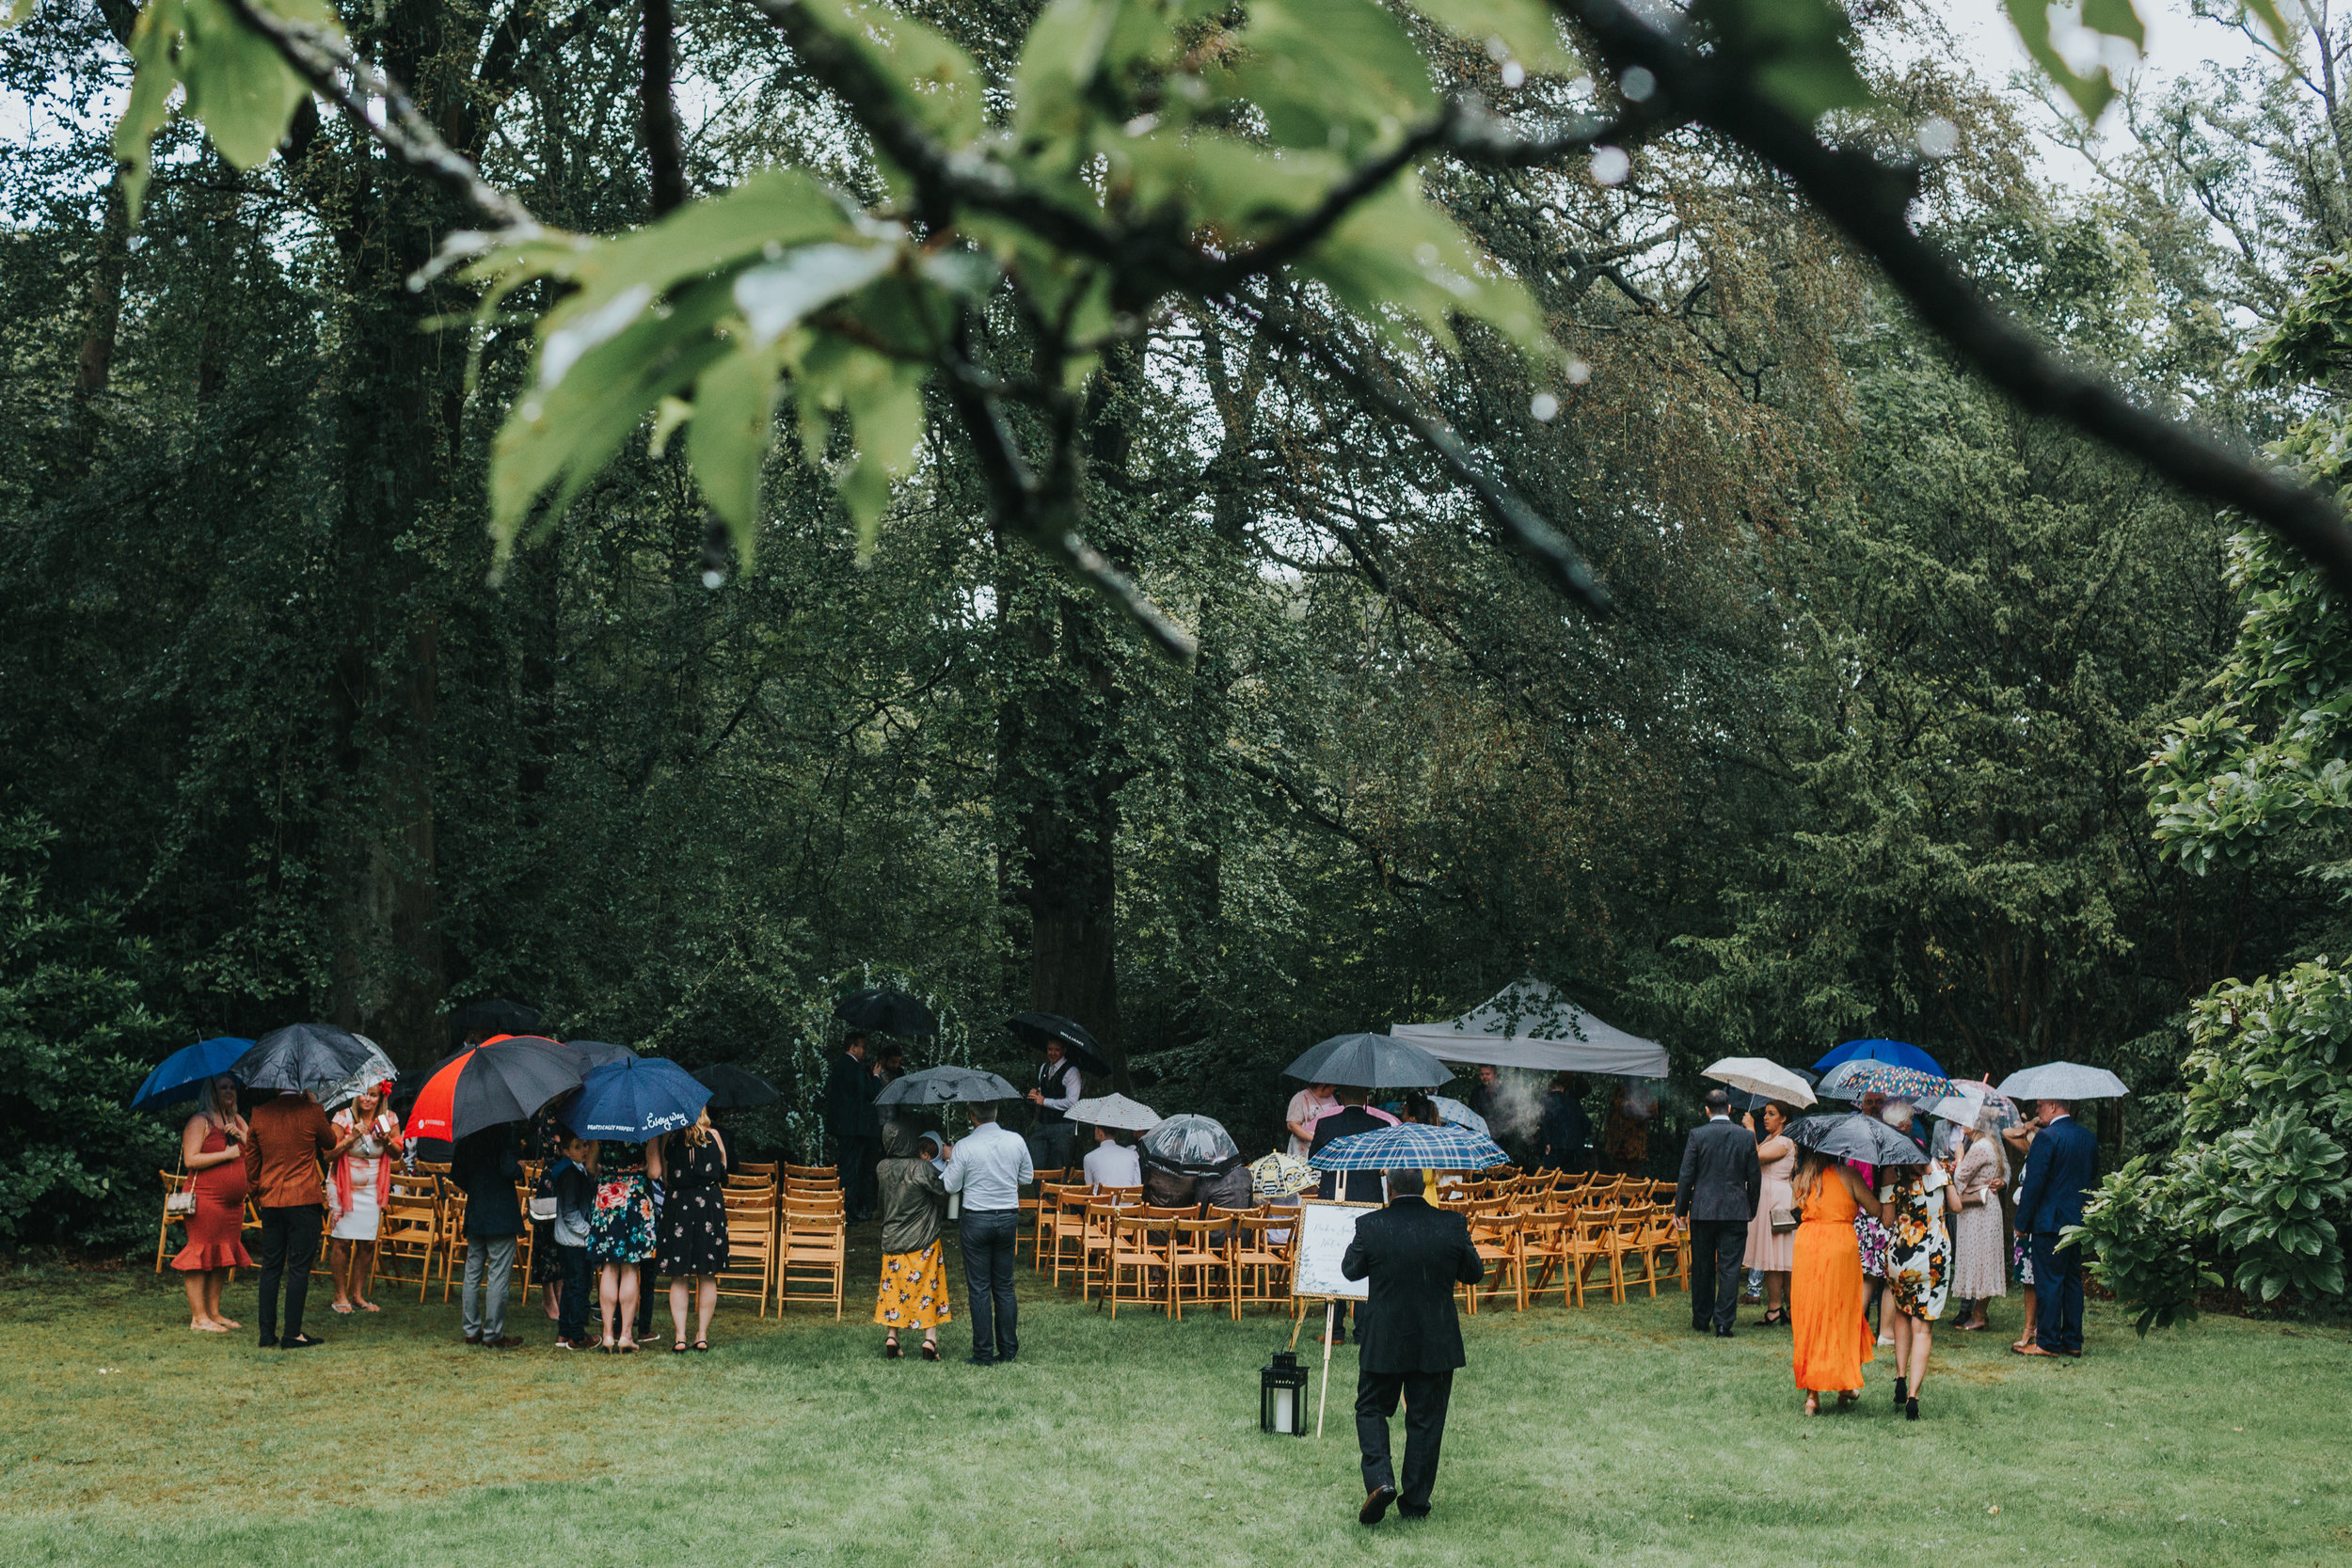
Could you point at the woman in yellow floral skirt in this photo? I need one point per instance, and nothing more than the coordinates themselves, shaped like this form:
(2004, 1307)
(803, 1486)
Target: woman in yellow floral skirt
(913, 1272)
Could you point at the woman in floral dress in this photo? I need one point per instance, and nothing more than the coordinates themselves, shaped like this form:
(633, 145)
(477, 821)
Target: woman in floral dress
(695, 1227)
(1915, 1198)
(620, 1233)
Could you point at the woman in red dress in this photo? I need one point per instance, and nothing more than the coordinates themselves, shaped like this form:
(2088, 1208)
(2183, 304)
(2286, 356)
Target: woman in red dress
(213, 1146)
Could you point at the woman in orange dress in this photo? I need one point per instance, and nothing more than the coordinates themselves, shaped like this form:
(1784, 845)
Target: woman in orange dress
(1825, 1289)
(213, 1148)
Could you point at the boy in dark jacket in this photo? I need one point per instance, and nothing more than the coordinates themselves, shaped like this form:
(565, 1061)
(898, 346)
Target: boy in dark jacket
(575, 1192)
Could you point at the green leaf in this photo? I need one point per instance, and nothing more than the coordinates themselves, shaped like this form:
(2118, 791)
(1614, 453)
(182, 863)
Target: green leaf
(1397, 251)
(152, 41)
(1526, 28)
(237, 84)
(776, 296)
(18, 13)
(934, 81)
(1800, 52)
(734, 425)
(2092, 93)
(2274, 22)
(1337, 75)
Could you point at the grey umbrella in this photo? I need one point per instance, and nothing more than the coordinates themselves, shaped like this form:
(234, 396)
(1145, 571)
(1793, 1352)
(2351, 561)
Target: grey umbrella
(1192, 1146)
(2063, 1081)
(1370, 1062)
(1856, 1136)
(943, 1085)
(313, 1057)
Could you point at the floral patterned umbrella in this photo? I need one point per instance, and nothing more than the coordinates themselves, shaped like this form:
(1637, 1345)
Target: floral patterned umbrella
(1854, 1079)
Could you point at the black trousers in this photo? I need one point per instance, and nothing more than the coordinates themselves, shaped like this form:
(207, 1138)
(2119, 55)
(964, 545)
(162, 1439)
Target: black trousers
(1716, 1248)
(857, 1160)
(289, 1244)
(571, 1274)
(1426, 1395)
(989, 1254)
(2058, 1303)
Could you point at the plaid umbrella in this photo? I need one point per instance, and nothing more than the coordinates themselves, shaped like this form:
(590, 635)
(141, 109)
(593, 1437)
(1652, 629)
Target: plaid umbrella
(1854, 1079)
(1282, 1176)
(1409, 1146)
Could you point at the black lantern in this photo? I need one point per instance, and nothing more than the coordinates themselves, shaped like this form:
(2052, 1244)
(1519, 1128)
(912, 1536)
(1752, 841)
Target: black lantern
(1282, 1396)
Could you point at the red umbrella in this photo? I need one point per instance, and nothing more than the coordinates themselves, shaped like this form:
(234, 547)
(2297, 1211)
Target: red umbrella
(498, 1081)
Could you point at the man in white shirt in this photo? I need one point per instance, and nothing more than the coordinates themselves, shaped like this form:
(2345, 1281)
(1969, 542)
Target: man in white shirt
(988, 1168)
(1112, 1163)
(1309, 1107)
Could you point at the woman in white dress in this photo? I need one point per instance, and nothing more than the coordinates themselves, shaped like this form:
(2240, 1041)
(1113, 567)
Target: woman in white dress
(1979, 1271)
(366, 1132)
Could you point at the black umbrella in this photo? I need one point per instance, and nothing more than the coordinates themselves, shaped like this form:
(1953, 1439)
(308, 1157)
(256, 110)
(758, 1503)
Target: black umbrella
(733, 1089)
(313, 1057)
(497, 1017)
(1037, 1028)
(943, 1086)
(485, 1085)
(1370, 1062)
(595, 1053)
(1856, 1136)
(885, 1012)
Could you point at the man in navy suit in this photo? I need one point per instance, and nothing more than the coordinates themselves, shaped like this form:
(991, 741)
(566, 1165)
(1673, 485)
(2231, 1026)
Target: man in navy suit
(2063, 1166)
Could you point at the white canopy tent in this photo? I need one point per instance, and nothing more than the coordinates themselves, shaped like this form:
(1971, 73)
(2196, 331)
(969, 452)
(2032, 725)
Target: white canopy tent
(1528, 1023)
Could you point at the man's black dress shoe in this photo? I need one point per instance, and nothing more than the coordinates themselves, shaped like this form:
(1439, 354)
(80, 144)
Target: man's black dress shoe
(1376, 1506)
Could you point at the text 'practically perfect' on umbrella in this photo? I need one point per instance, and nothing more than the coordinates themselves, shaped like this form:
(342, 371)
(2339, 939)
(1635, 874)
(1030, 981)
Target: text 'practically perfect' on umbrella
(1368, 1062)
(183, 1074)
(1410, 1146)
(483, 1086)
(303, 1056)
(636, 1101)
(946, 1085)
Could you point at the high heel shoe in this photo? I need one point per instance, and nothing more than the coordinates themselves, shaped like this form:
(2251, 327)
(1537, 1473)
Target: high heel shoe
(1812, 1404)
(891, 1351)
(1910, 1408)
(1903, 1389)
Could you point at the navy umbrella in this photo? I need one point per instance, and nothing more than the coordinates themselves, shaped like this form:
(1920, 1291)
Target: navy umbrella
(885, 1012)
(313, 1057)
(182, 1074)
(634, 1100)
(1370, 1062)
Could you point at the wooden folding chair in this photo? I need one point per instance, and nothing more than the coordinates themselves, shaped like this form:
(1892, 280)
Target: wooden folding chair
(815, 1252)
(1260, 1265)
(1635, 1234)
(1543, 1262)
(1496, 1239)
(751, 1269)
(1061, 1231)
(408, 1233)
(452, 1236)
(1592, 1239)
(174, 1181)
(1096, 1215)
(1135, 1257)
(1203, 1246)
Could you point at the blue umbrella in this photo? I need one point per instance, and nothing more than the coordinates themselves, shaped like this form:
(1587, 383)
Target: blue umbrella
(180, 1072)
(1409, 1146)
(637, 1098)
(1881, 1051)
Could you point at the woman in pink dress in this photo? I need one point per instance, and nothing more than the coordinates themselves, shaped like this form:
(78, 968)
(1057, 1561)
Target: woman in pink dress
(212, 1146)
(1773, 1253)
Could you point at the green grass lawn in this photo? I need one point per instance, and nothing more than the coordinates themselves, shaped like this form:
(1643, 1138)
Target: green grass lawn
(1609, 1434)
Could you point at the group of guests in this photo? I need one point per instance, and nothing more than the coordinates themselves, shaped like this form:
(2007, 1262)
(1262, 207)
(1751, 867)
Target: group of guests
(1835, 1240)
(618, 1214)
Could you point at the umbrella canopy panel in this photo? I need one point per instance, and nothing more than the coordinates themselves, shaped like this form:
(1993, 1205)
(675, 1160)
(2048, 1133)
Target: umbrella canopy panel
(733, 1089)
(1880, 1051)
(182, 1074)
(2063, 1081)
(1453, 1112)
(637, 1099)
(1114, 1111)
(946, 1085)
(1856, 1136)
(312, 1057)
(885, 1012)
(1851, 1079)
(1192, 1146)
(595, 1053)
(1035, 1029)
(497, 1017)
(1409, 1146)
(1368, 1062)
(484, 1086)
(376, 1069)
(1761, 1079)
(1530, 1025)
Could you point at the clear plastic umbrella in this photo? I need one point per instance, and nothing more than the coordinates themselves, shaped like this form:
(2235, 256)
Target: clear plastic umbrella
(1192, 1146)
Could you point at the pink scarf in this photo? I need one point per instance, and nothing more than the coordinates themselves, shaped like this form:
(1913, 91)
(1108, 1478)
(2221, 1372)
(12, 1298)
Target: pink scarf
(343, 1174)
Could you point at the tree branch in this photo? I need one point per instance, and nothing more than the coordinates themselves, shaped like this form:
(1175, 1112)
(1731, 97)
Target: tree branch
(658, 106)
(1870, 202)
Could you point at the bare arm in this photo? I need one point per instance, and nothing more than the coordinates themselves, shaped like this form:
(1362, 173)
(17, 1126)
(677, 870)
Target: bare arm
(1865, 1199)
(191, 1143)
(1774, 1148)
(653, 1158)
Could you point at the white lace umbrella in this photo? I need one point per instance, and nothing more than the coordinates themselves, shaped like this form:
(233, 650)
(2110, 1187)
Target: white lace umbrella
(1114, 1111)
(1769, 1080)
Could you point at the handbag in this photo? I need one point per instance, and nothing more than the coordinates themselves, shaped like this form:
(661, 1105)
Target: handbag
(180, 1204)
(542, 1208)
(1784, 1221)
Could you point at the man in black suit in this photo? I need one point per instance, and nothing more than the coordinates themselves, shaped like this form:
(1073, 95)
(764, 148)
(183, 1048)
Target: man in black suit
(851, 1086)
(1354, 1186)
(1414, 1256)
(1714, 1200)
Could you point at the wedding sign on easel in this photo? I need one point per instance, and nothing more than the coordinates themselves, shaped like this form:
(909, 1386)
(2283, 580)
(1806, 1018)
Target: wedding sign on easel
(1324, 1230)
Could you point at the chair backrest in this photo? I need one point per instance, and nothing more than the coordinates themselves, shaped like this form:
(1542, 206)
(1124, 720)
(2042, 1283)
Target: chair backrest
(768, 1168)
(1255, 1234)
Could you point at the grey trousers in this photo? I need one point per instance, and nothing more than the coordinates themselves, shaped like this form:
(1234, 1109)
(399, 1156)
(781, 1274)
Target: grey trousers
(482, 1306)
